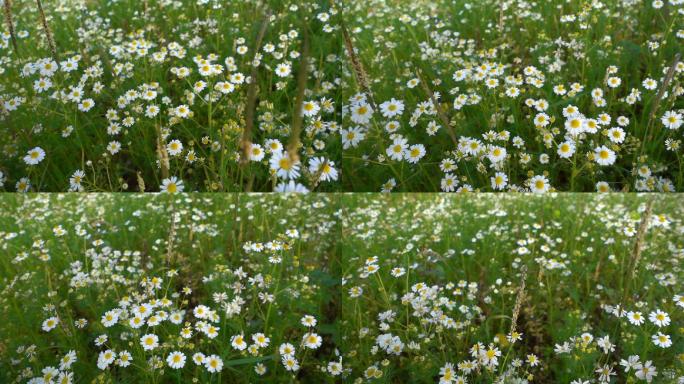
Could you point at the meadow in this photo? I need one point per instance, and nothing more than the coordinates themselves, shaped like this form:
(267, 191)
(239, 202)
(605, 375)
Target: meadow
(568, 288)
(513, 95)
(168, 289)
(169, 95)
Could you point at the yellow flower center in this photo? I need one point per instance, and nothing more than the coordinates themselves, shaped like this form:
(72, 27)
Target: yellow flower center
(285, 164)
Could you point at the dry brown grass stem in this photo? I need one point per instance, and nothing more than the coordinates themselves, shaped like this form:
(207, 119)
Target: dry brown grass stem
(48, 31)
(163, 155)
(141, 182)
(10, 24)
(359, 71)
(520, 298)
(635, 257)
(246, 140)
(659, 96)
(317, 175)
(172, 233)
(297, 120)
(641, 234)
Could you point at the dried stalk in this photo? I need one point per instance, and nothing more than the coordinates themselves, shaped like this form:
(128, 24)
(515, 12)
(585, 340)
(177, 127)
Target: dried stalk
(440, 112)
(163, 156)
(359, 72)
(10, 24)
(659, 96)
(141, 182)
(635, 257)
(246, 141)
(317, 175)
(641, 233)
(297, 120)
(172, 234)
(48, 31)
(519, 300)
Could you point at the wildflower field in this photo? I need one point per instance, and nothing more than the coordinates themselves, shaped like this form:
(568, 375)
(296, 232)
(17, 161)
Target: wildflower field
(150, 95)
(513, 289)
(219, 288)
(513, 95)
(202, 102)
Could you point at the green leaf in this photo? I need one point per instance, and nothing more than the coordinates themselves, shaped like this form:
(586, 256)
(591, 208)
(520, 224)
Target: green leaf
(248, 360)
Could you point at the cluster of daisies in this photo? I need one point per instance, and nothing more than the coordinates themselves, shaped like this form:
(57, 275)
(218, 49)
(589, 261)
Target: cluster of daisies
(149, 111)
(109, 283)
(525, 123)
(490, 300)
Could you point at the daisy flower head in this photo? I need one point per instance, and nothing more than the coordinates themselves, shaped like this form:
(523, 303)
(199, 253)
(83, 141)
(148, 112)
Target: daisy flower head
(616, 135)
(149, 341)
(34, 156)
(283, 166)
(260, 340)
(174, 147)
(256, 152)
(539, 184)
(105, 358)
(361, 113)
(352, 137)
(575, 125)
(125, 359)
(661, 340)
(50, 323)
(566, 149)
(86, 105)
(659, 318)
(176, 360)
(496, 154)
(449, 183)
(678, 300)
(311, 340)
(323, 168)
(391, 108)
(75, 180)
(499, 181)
(602, 187)
(604, 155)
(286, 349)
(182, 111)
(213, 363)
(290, 363)
(310, 108)
(672, 120)
(172, 185)
(397, 150)
(283, 69)
(613, 82)
(23, 185)
(114, 147)
(415, 153)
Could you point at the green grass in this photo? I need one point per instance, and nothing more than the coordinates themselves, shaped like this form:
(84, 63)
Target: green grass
(216, 127)
(114, 243)
(468, 262)
(467, 254)
(432, 40)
